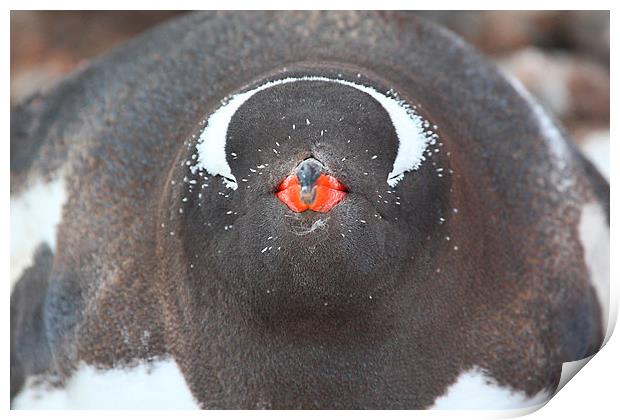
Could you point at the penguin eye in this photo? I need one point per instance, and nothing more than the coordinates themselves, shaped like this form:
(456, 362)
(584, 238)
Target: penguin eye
(230, 182)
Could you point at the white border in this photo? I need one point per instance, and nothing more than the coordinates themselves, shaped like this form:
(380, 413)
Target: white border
(592, 394)
(414, 133)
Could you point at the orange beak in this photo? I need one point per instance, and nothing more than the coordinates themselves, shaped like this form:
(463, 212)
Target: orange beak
(327, 191)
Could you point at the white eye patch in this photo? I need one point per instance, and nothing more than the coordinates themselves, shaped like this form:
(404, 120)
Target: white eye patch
(411, 130)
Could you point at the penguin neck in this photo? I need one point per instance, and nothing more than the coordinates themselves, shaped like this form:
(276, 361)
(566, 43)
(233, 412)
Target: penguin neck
(327, 324)
(232, 340)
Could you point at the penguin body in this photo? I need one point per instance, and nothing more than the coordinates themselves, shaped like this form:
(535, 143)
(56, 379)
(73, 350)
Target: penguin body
(448, 258)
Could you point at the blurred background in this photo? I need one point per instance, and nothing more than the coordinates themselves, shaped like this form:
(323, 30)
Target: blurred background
(562, 57)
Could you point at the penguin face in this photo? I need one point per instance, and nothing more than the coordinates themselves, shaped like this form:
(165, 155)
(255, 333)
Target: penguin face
(313, 193)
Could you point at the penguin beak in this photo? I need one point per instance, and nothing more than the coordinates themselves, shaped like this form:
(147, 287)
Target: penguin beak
(310, 189)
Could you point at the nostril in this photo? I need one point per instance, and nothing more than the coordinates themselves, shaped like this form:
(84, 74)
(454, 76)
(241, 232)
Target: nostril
(308, 194)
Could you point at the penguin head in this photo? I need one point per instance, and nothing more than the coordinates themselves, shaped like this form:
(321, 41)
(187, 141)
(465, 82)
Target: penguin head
(313, 191)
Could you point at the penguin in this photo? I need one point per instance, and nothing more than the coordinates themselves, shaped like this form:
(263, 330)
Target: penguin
(299, 210)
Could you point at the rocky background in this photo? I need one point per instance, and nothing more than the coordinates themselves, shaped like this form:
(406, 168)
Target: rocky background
(561, 57)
